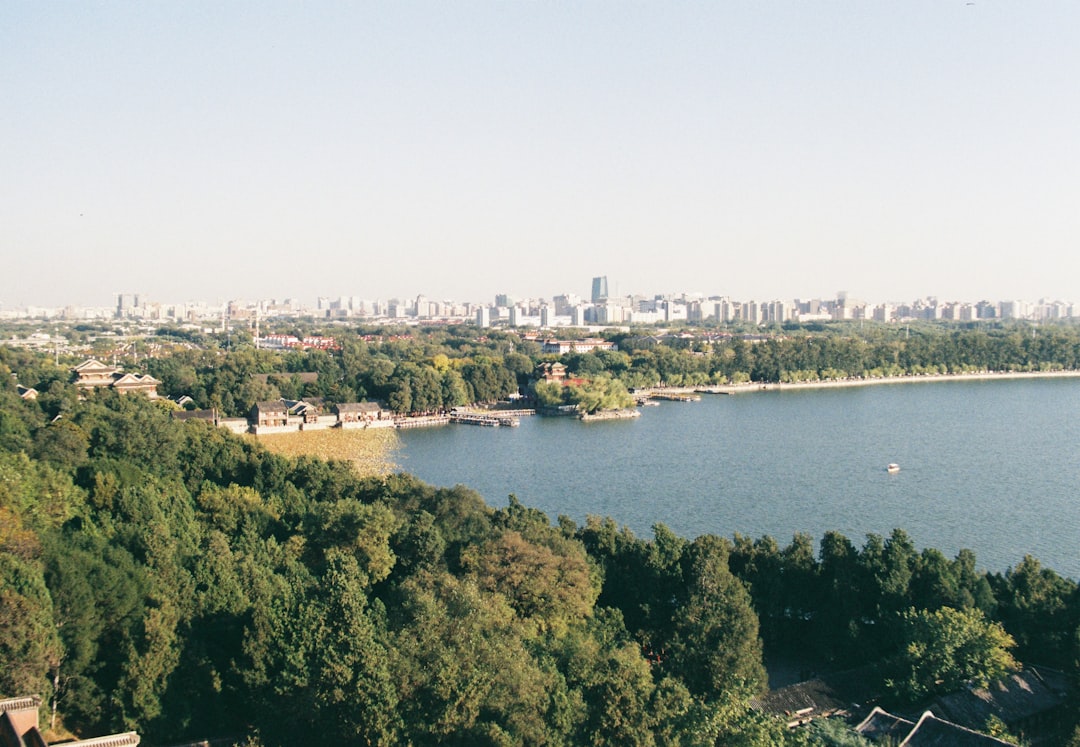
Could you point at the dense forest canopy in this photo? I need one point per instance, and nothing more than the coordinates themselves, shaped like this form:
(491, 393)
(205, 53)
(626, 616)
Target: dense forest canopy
(172, 578)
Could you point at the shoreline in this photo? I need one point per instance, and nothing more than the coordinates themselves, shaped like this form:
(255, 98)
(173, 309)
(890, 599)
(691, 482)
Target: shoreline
(911, 379)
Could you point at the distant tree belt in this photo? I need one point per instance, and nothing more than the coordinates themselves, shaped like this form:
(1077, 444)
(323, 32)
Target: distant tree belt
(172, 578)
(421, 370)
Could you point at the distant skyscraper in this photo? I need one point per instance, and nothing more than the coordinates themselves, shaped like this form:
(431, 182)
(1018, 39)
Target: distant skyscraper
(599, 289)
(127, 305)
(564, 303)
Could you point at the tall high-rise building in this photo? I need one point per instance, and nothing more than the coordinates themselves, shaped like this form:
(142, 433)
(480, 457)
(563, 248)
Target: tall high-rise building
(599, 289)
(564, 303)
(126, 304)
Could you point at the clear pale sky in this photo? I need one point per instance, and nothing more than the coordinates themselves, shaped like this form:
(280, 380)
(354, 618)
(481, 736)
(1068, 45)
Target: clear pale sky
(211, 150)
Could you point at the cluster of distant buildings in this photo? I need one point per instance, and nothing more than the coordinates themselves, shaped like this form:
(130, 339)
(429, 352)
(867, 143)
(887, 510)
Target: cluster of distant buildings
(93, 374)
(292, 342)
(600, 308)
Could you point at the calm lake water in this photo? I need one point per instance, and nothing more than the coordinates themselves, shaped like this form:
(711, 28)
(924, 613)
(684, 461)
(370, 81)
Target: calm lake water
(989, 465)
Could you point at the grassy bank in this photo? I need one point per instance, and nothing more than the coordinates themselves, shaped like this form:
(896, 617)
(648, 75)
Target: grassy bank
(369, 450)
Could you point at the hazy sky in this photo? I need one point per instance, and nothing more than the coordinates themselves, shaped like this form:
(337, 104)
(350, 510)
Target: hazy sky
(208, 150)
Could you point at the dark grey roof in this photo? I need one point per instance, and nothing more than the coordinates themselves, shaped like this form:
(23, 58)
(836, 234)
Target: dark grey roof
(1014, 698)
(297, 406)
(932, 731)
(195, 414)
(837, 692)
(881, 724)
(815, 694)
(277, 406)
(358, 407)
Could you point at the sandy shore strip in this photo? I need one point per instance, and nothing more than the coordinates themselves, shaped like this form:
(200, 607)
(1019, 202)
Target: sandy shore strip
(912, 379)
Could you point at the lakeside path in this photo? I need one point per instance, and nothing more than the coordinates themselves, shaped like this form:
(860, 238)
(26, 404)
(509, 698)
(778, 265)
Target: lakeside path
(841, 383)
(915, 379)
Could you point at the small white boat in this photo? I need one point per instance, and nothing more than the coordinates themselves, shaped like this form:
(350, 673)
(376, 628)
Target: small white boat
(893, 468)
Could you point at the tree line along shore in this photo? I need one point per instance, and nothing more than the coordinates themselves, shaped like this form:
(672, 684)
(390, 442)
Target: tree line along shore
(415, 370)
(880, 380)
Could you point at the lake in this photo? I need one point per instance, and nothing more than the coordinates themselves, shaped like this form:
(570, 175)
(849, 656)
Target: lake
(993, 466)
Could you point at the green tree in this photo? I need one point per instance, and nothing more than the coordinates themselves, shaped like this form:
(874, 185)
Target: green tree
(620, 704)
(550, 393)
(99, 594)
(352, 685)
(62, 444)
(946, 649)
(461, 668)
(454, 391)
(29, 646)
(715, 648)
(551, 590)
(840, 612)
(1037, 606)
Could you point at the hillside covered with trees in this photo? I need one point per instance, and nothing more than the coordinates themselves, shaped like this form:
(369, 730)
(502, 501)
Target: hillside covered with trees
(171, 578)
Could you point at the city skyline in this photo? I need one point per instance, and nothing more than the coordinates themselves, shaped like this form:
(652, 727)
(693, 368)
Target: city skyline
(561, 309)
(259, 150)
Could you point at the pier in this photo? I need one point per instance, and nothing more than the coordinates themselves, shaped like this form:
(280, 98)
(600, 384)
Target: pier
(424, 421)
(685, 395)
(476, 418)
(670, 394)
(519, 413)
(628, 414)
